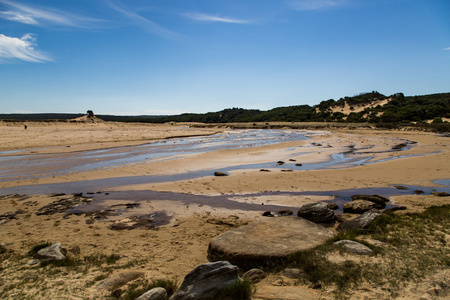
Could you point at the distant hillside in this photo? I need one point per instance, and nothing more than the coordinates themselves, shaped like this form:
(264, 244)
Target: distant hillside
(65, 117)
(371, 107)
(367, 107)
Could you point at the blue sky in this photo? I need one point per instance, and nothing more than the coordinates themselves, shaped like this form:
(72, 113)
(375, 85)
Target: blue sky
(133, 57)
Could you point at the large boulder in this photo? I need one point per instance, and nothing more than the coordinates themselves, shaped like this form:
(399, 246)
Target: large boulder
(360, 222)
(258, 243)
(360, 206)
(380, 200)
(50, 253)
(204, 281)
(318, 212)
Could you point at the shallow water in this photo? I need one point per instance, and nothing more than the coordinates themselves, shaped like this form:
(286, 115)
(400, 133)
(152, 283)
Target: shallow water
(44, 165)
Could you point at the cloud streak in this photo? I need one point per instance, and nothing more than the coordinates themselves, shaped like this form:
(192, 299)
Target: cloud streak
(210, 18)
(311, 5)
(141, 21)
(20, 48)
(448, 48)
(35, 15)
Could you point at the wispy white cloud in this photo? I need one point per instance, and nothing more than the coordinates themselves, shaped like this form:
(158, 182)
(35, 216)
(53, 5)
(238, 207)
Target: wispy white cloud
(447, 48)
(211, 18)
(310, 5)
(141, 21)
(18, 17)
(35, 15)
(20, 48)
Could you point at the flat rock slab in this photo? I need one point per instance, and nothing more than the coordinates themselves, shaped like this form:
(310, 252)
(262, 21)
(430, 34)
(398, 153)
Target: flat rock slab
(257, 243)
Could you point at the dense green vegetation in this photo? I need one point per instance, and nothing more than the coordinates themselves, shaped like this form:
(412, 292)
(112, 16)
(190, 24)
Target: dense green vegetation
(363, 108)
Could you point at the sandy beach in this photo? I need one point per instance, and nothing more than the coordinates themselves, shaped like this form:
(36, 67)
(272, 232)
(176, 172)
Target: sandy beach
(172, 250)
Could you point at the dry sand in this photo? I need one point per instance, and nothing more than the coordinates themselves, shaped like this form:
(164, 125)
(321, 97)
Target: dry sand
(173, 250)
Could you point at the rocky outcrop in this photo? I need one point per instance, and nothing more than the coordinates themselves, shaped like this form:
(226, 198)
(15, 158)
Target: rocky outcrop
(354, 247)
(360, 206)
(360, 222)
(50, 253)
(380, 200)
(316, 212)
(205, 280)
(258, 243)
(154, 294)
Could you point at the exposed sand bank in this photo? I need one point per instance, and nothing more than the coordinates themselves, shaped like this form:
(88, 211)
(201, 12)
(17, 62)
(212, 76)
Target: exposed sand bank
(173, 250)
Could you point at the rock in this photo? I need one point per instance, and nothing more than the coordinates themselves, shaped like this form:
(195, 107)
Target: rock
(361, 206)
(332, 206)
(440, 194)
(400, 187)
(205, 280)
(298, 165)
(418, 192)
(268, 214)
(116, 281)
(220, 174)
(254, 275)
(258, 243)
(154, 294)
(354, 247)
(373, 198)
(280, 163)
(395, 208)
(293, 273)
(264, 170)
(316, 212)
(285, 212)
(50, 253)
(360, 222)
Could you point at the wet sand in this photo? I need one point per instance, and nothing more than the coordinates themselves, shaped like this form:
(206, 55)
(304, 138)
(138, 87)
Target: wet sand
(173, 250)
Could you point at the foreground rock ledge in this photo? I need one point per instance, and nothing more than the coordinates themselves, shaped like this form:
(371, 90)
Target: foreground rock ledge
(257, 243)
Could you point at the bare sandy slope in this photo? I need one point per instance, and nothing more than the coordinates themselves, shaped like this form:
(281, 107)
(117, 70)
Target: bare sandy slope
(173, 250)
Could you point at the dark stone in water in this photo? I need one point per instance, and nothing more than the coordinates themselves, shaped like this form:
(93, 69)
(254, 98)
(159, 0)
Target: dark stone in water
(418, 192)
(280, 162)
(400, 187)
(264, 170)
(220, 174)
